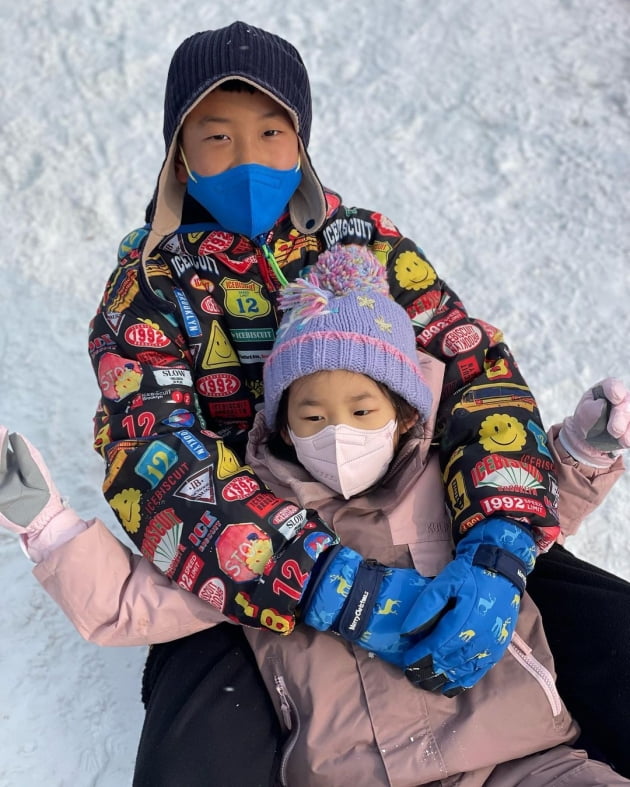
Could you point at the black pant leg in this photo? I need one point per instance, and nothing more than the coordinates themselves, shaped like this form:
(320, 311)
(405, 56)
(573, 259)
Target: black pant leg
(209, 720)
(586, 615)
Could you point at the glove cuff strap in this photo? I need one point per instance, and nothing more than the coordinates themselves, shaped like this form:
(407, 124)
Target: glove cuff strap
(503, 562)
(318, 572)
(359, 605)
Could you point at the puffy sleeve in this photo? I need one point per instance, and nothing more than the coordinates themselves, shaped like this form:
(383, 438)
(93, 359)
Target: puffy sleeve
(493, 449)
(180, 491)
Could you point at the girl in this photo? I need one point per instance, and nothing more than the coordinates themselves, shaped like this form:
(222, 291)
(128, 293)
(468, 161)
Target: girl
(347, 430)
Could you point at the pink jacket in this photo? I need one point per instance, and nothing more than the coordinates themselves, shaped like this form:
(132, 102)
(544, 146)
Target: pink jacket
(361, 721)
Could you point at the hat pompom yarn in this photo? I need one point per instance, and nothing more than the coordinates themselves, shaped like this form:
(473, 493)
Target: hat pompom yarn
(343, 269)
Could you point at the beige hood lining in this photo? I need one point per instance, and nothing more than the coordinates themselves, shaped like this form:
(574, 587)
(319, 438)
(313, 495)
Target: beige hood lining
(307, 206)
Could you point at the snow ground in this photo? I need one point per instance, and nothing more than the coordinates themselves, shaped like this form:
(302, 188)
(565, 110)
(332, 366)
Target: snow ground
(495, 134)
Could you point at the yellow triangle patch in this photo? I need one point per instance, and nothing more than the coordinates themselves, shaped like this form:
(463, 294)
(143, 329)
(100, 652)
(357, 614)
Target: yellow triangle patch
(227, 461)
(219, 351)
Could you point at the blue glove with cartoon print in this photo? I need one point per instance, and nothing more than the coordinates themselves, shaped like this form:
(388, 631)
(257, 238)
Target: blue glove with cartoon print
(362, 601)
(461, 624)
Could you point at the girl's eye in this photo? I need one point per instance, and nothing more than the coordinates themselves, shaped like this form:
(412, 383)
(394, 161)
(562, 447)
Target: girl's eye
(361, 412)
(313, 418)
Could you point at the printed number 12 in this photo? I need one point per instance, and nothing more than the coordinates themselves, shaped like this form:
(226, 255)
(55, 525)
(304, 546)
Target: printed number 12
(291, 570)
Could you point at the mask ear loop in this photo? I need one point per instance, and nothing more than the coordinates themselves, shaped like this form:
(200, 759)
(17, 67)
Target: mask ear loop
(185, 160)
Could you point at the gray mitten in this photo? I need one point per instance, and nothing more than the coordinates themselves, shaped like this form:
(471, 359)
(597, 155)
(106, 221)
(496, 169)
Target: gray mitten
(28, 496)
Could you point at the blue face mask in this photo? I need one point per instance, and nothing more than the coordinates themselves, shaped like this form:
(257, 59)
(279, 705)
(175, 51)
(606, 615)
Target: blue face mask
(247, 199)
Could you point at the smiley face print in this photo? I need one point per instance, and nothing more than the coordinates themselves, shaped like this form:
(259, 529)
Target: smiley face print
(127, 505)
(501, 432)
(219, 352)
(414, 273)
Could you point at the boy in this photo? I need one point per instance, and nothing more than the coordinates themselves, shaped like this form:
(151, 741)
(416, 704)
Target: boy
(178, 343)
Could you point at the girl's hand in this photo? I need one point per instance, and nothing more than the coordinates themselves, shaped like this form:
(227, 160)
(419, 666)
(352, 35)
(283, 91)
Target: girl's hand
(599, 429)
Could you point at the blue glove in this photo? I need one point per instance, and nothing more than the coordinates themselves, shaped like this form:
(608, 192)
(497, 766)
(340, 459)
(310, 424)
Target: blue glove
(362, 601)
(461, 624)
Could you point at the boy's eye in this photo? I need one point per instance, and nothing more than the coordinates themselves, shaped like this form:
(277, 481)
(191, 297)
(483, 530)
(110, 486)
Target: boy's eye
(272, 132)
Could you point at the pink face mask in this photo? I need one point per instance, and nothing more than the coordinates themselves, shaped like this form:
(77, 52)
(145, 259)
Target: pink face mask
(346, 459)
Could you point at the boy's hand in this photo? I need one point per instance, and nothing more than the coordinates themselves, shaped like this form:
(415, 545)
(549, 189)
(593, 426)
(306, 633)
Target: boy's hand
(599, 429)
(462, 622)
(362, 601)
(28, 497)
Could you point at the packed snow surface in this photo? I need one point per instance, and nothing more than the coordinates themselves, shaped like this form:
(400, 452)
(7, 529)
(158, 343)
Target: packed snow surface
(495, 134)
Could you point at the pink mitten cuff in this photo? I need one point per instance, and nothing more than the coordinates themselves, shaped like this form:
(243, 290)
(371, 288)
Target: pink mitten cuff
(574, 444)
(39, 543)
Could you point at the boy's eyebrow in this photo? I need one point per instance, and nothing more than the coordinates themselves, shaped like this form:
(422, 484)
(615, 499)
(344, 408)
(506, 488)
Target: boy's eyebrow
(273, 113)
(212, 119)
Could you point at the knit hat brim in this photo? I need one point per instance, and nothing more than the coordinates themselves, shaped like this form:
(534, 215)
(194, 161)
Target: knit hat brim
(307, 206)
(314, 352)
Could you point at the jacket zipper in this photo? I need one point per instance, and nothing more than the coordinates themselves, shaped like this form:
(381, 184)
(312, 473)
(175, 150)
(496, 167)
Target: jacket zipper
(267, 264)
(523, 654)
(291, 719)
(265, 271)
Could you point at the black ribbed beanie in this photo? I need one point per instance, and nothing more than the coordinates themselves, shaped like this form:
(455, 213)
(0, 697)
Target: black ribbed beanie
(238, 50)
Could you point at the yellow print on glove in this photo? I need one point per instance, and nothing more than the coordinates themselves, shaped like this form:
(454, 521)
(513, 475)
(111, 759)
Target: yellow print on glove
(343, 586)
(500, 629)
(389, 607)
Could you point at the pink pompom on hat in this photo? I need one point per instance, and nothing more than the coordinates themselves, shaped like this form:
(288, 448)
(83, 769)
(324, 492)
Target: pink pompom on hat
(342, 316)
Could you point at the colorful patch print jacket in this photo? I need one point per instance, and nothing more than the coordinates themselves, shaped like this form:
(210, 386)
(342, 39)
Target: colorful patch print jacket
(177, 346)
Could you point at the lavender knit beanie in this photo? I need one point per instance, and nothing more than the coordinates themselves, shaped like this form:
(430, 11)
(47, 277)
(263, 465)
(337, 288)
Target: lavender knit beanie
(341, 316)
